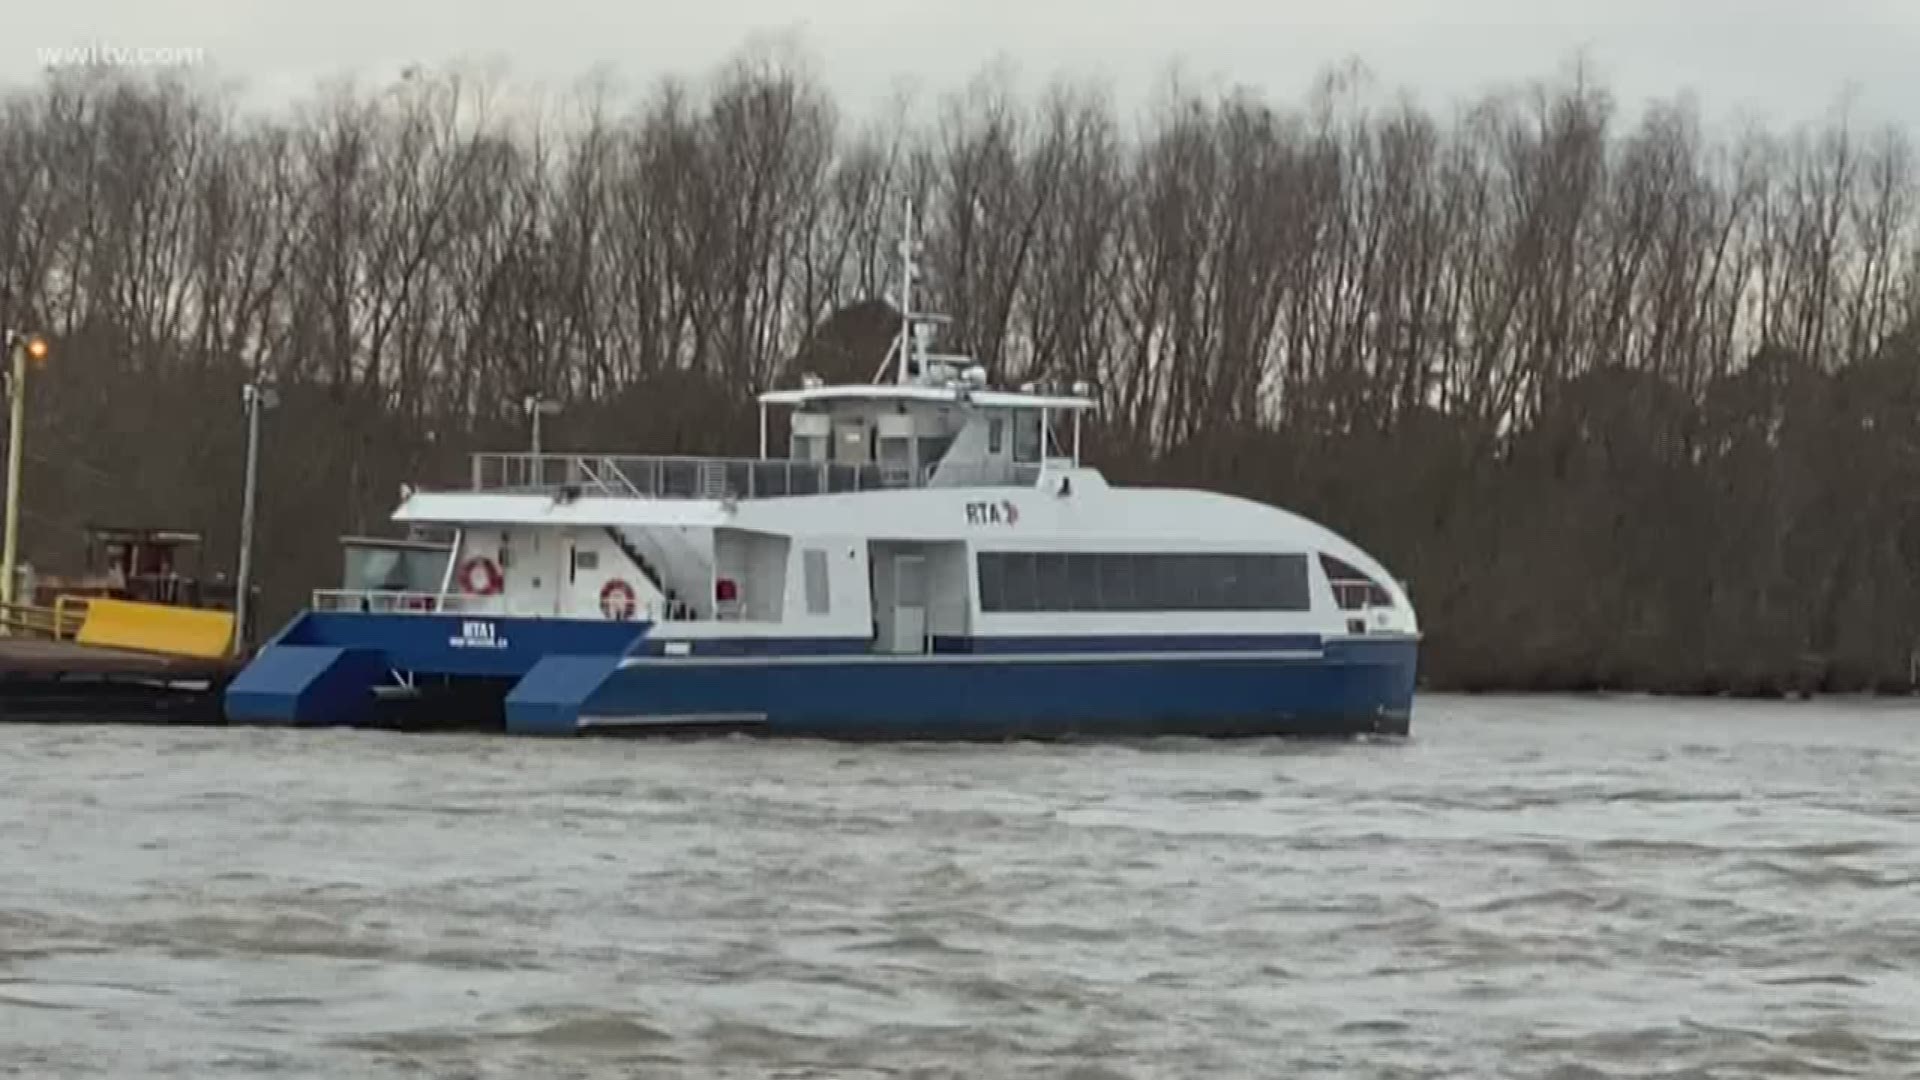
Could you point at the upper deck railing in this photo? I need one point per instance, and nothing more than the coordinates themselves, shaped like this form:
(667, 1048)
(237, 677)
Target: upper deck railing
(713, 478)
(420, 602)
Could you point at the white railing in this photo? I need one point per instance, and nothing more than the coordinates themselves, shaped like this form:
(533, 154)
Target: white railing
(390, 602)
(670, 477)
(714, 478)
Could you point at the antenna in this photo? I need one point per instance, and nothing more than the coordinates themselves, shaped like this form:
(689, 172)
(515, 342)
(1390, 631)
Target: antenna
(909, 247)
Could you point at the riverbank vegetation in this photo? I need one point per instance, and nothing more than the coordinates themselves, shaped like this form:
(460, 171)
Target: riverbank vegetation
(1628, 401)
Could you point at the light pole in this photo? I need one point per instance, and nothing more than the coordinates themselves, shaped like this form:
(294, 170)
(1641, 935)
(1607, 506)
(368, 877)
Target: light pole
(22, 348)
(536, 405)
(257, 397)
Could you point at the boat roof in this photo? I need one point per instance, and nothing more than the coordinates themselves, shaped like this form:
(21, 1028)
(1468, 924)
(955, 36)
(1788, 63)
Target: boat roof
(993, 399)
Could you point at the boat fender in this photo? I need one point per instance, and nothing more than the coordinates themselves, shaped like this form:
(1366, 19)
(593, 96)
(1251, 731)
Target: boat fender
(617, 600)
(481, 576)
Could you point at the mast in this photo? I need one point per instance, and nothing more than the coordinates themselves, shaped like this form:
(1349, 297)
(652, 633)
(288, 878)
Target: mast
(916, 327)
(908, 248)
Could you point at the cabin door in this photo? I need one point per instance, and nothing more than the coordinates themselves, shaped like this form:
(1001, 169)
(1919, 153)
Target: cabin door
(533, 573)
(593, 586)
(909, 604)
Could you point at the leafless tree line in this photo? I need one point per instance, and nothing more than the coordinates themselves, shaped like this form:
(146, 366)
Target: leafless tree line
(1626, 403)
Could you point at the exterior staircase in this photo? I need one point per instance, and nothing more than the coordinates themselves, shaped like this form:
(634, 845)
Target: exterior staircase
(646, 568)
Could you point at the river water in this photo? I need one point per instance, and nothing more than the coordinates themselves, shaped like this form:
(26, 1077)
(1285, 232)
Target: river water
(1528, 888)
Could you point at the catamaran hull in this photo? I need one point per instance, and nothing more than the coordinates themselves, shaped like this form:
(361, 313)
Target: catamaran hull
(1354, 690)
(569, 677)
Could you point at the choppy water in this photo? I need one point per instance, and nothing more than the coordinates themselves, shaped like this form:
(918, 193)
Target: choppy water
(1528, 889)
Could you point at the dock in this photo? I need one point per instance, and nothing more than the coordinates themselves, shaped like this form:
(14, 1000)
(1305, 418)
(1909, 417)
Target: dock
(56, 666)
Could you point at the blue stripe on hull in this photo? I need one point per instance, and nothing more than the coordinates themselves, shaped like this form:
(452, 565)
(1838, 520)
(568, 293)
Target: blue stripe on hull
(1082, 643)
(1356, 687)
(983, 645)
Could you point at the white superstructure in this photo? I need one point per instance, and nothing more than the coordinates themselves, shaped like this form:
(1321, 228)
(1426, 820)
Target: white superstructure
(920, 513)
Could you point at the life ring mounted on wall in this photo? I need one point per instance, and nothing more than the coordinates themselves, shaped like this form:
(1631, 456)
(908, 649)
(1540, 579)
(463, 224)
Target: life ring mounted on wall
(617, 600)
(480, 576)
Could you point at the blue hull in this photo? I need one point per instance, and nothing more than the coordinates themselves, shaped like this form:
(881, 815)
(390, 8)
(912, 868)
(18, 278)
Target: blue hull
(566, 677)
(1353, 688)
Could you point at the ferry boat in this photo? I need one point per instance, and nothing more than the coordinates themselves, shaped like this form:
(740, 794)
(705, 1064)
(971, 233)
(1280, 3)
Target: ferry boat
(930, 559)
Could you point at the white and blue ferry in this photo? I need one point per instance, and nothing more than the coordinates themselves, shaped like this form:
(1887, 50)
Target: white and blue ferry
(930, 559)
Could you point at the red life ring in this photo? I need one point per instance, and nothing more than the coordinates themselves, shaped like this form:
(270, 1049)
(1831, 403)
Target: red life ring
(480, 576)
(617, 600)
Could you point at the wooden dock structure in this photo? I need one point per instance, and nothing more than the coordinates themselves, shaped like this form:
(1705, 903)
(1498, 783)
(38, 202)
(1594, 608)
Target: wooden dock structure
(49, 673)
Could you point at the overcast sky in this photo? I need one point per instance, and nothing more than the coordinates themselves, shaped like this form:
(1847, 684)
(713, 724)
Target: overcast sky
(1784, 61)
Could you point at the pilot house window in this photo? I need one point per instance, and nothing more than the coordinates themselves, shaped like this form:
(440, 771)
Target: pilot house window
(1352, 588)
(1026, 437)
(932, 449)
(1119, 581)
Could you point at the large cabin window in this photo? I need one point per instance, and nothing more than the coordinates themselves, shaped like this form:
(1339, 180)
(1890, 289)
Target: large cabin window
(996, 435)
(1053, 581)
(1123, 581)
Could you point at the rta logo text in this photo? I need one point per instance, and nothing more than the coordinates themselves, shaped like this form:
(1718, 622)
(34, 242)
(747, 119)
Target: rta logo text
(993, 513)
(477, 634)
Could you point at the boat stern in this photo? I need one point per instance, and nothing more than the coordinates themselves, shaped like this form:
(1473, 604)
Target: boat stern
(529, 675)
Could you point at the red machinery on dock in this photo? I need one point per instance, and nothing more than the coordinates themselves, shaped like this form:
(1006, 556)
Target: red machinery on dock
(138, 564)
(131, 638)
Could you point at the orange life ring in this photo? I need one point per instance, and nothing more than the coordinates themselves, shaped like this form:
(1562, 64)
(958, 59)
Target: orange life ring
(480, 576)
(617, 600)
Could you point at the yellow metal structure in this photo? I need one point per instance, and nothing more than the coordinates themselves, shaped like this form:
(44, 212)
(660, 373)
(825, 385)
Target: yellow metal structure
(156, 628)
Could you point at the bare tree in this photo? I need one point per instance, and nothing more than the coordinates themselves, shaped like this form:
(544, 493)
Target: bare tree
(1624, 398)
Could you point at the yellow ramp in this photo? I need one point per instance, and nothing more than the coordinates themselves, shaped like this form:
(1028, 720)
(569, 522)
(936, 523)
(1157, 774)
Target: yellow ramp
(157, 628)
